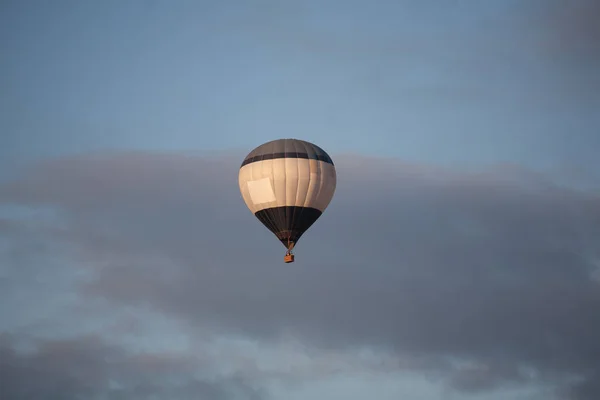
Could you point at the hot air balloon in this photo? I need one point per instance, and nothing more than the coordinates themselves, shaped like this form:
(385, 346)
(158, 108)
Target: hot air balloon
(287, 184)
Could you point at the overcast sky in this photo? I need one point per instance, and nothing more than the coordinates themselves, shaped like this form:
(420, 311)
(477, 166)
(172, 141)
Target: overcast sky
(458, 259)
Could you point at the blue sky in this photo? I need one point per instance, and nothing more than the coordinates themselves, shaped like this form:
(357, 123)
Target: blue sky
(445, 82)
(128, 257)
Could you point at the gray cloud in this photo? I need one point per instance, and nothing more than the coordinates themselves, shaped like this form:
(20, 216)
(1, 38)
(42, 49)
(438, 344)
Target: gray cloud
(574, 29)
(88, 368)
(493, 269)
(568, 35)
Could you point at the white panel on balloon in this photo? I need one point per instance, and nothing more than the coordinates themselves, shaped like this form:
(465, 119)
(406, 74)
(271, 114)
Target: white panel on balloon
(261, 191)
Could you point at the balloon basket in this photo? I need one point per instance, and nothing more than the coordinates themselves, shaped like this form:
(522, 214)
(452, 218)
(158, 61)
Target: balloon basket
(288, 258)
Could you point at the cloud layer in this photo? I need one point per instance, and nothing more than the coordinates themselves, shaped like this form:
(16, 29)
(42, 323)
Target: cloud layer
(88, 368)
(480, 280)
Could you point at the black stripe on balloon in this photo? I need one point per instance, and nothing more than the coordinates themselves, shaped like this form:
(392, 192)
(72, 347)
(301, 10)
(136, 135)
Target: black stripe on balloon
(288, 223)
(273, 156)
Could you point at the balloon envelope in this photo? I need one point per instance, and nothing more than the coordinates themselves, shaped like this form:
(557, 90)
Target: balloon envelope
(287, 184)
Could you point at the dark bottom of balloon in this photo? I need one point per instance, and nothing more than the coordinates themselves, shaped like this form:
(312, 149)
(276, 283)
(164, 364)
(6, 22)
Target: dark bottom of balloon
(288, 223)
